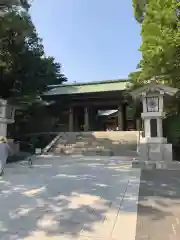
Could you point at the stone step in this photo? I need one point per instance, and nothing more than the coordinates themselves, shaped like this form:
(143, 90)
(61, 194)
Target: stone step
(83, 151)
(105, 152)
(96, 150)
(92, 152)
(172, 165)
(111, 143)
(80, 144)
(84, 148)
(98, 140)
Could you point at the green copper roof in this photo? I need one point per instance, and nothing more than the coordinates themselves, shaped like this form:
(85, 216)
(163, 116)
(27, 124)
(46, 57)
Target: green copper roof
(91, 87)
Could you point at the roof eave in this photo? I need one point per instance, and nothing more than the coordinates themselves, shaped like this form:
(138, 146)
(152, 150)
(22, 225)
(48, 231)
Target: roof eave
(88, 83)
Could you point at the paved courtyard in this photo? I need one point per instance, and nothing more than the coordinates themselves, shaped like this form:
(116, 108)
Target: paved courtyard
(159, 205)
(84, 198)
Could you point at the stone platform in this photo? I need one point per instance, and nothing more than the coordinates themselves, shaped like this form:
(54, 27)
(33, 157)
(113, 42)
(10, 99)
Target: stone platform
(147, 164)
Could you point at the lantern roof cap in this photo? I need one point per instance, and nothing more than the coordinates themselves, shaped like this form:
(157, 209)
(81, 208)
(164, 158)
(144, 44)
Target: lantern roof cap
(153, 86)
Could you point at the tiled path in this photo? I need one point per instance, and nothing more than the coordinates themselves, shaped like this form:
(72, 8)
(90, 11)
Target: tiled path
(69, 199)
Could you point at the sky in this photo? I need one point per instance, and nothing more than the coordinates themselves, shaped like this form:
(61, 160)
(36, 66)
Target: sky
(94, 40)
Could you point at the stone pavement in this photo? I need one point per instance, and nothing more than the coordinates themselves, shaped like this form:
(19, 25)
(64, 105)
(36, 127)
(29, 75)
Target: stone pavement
(159, 205)
(84, 198)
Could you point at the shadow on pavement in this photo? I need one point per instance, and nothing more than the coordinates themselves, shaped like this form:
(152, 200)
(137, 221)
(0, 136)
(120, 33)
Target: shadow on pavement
(60, 198)
(159, 205)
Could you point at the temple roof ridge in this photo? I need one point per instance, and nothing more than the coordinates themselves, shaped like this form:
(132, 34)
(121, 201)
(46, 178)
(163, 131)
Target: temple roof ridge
(88, 83)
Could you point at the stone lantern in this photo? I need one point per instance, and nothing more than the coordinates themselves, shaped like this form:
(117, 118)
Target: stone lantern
(6, 116)
(153, 146)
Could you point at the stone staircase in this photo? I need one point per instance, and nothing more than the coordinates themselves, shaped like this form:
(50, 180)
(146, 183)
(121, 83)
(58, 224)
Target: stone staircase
(115, 143)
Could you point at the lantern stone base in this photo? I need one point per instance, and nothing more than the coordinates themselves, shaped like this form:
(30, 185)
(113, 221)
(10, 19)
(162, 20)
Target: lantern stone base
(3, 128)
(155, 151)
(153, 140)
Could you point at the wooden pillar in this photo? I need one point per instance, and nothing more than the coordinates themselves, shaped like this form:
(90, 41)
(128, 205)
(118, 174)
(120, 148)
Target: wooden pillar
(120, 118)
(71, 118)
(92, 119)
(75, 119)
(125, 116)
(86, 119)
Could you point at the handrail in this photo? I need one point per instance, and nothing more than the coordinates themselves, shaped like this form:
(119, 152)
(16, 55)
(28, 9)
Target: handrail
(46, 149)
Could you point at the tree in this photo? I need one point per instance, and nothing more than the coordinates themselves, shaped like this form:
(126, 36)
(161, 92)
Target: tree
(139, 9)
(24, 69)
(5, 5)
(160, 41)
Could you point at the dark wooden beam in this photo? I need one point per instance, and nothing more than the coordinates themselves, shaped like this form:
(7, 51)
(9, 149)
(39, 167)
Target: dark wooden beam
(109, 103)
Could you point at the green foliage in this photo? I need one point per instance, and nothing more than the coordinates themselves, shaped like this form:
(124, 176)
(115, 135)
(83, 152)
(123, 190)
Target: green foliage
(160, 46)
(172, 129)
(160, 39)
(5, 5)
(25, 72)
(139, 9)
